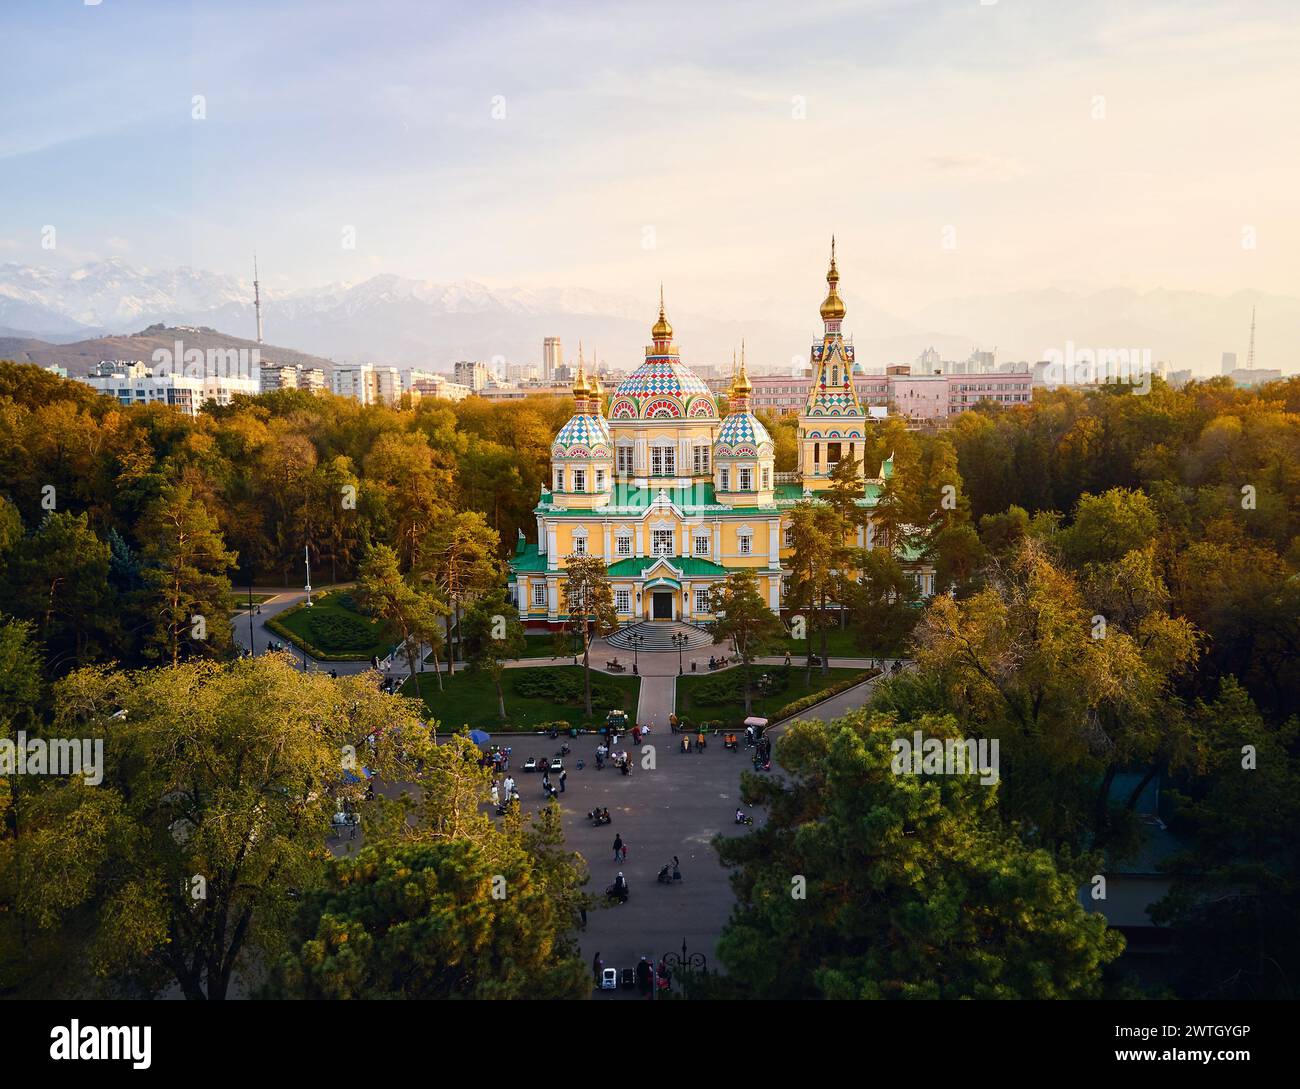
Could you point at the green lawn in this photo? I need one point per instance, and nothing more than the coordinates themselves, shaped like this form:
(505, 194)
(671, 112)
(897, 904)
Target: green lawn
(334, 630)
(839, 644)
(720, 696)
(241, 600)
(533, 697)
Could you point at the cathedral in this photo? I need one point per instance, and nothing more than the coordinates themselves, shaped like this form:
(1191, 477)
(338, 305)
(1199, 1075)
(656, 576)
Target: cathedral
(673, 497)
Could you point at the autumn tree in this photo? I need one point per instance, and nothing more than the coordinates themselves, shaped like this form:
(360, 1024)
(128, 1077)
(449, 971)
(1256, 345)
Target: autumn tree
(745, 619)
(411, 617)
(492, 635)
(589, 601)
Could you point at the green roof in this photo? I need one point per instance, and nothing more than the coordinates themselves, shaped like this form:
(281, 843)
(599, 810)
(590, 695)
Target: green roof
(689, 566)
(528, 559)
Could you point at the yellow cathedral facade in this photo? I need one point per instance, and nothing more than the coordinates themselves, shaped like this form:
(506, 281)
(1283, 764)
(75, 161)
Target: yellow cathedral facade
(673, 497)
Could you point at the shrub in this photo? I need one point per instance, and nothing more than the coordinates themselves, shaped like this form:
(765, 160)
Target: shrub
(339, 631)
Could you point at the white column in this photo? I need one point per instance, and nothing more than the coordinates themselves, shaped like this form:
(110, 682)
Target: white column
(774, 593)
(541, 535)
(609, 554)
(553, 593)
(640, 540)
(552, 559)
(686, 600)
(717, 542)
(774, 542)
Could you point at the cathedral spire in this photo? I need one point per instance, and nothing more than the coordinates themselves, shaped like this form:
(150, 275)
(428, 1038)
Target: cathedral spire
(833, 307)
(662, 333)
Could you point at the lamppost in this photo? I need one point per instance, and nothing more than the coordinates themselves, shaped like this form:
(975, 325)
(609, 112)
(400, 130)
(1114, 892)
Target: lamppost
(306, 553)
(252, 642)
(635, 639)
(679, 639)
(691, 962)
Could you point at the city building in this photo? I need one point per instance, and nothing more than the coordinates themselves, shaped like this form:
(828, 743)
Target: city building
(673, 498)
(138, 385)
(275, 376)
(356, 381)
(1228, 363)
(470, 373)
(778, 394)
(437, 386)
(552, 357)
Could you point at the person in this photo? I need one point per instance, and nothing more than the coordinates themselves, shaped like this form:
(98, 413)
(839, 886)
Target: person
(334, 674)
(563, 775)
(636, 735)
(740, 816)
(604, 815)
(644, 977)
(618, 846)
(787, 657)
(510, 785)
(582, 914)
(597, 967)
(496, 796)
(624, 858)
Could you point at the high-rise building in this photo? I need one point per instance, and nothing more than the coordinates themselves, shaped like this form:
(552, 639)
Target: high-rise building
(552, 357)
(1229, 363)
(470, 373)
(138, 385)
(356, 381)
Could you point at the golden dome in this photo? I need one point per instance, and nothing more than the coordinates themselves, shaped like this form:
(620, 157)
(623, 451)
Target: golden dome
(580, 386)
(833, 306)
(661, 330)
(740, 384)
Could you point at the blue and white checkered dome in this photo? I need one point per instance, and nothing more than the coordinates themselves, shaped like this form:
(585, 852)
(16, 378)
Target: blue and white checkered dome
(665, 376)
(587, 432)
(741, 430)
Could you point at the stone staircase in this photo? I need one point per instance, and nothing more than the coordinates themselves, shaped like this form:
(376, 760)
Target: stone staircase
(658, 636)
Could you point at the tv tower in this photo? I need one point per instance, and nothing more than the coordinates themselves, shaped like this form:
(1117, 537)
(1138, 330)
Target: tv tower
(1250, 352)
(257, 300)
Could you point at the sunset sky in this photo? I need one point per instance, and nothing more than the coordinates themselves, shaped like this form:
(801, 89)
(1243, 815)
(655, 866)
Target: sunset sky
(736, 145)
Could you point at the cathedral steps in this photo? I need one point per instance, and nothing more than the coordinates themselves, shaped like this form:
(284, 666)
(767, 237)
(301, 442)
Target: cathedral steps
(658, 636)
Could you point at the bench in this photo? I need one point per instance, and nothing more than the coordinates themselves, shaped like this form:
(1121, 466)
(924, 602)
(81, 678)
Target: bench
(615, 667)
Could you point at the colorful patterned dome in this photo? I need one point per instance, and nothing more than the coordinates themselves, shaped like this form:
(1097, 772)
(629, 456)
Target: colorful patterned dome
(742, 434)
(583, 436)
(662, 388)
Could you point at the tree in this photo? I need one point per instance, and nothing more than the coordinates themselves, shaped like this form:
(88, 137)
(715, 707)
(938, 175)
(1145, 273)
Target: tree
(816, 536)
(589, 601)
(220, 781)
(462, 558)
(186, 572)
(886, 603)
(493, 634)
(745, 619)
(913, 886)
(430, 921)
(411, 617)
(57, 577)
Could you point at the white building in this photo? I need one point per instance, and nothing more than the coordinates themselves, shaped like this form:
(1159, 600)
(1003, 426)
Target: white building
(470, 373)
(552, 357)
(356, 381)
(185, 392)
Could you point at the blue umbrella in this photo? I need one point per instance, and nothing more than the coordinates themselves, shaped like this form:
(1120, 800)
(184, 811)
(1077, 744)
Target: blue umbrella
(479, 737)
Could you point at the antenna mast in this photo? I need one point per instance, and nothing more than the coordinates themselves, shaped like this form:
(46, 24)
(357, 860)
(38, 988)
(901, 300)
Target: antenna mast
(257, 300)
(1250, 352)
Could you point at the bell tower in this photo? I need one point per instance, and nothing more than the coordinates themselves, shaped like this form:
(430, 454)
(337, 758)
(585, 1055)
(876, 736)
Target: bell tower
(832, 425)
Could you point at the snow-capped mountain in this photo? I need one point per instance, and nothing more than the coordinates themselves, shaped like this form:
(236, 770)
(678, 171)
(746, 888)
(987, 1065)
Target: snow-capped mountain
(397, 320)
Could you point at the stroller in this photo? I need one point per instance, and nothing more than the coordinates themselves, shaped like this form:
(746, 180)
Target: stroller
(618, 890)
(670, 874)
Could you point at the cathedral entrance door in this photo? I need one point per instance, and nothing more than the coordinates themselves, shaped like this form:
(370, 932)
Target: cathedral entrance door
(663, 605)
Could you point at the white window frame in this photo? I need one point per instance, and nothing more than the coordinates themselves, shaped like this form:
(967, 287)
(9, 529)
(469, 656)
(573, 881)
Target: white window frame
(623, 466)
(539, 595)
(726, 480)
(658, 536)
(745, 544)
(701, 536)
(579, 480)
(580, 544)
(703, 602)
(623, 602)
(767, 478)
(559, 479)
(744, 479)
(623, 544)
(600, 480)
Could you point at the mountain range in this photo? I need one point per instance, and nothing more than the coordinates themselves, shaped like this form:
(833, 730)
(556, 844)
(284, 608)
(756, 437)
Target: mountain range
(390, 319)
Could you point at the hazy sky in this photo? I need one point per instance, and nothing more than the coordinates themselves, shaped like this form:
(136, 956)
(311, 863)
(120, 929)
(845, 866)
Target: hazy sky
(714, 146)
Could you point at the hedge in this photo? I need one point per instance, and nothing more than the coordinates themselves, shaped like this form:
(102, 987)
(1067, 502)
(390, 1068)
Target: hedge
(273, 624)
(814, 698)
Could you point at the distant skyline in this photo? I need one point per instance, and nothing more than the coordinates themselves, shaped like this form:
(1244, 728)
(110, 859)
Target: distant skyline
(737, 144)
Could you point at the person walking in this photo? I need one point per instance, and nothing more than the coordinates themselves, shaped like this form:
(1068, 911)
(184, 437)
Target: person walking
(597, 967)
(563, 775)
(618, 847)
(624, 858)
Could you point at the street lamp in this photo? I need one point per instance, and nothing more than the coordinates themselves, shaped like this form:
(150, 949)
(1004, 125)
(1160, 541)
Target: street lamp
(306, 553)
(635, 639)
(252, 642)
(679, 641)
